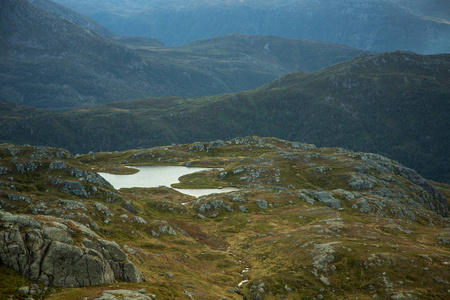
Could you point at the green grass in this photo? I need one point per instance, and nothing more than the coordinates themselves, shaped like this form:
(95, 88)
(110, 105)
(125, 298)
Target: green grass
(278, 244)
(11, 281)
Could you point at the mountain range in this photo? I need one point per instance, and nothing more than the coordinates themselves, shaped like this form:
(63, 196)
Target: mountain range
(55, 59)
(394, 104)
(325, 169)
(422, 26)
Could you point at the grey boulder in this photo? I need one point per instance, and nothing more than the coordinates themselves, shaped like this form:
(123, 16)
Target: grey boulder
(327, 199)
(47, 254)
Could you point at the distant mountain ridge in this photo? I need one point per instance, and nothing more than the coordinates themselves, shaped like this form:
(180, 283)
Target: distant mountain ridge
(394, 104)
(438, 9)
(62, 11)
(422, 26)
(52, 61)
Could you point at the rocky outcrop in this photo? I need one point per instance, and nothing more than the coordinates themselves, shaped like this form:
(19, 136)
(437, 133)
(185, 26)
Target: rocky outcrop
(360, 184)
(438, 204)
(74, 188)
(57, 165)
(126, 294)
(262, 204)
(207, 206)
(90, 177)
(70, 266)
(4, 170)
(128, 205)
(117, 259)
(426, 194)
(27, 167)
(42, 252)
(164, 229)
(327, 199)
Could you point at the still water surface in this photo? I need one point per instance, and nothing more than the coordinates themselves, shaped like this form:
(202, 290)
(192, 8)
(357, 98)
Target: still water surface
(155, 176)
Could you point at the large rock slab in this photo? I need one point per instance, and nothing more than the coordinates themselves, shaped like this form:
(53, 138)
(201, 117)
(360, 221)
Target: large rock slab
(327, 199)
(69, 266)
(48, 254)
(74, 188)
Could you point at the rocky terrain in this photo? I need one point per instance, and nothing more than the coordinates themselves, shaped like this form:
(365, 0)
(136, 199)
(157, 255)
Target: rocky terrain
(308, 222)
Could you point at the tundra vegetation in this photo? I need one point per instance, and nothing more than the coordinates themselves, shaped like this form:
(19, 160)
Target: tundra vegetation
(306, 223)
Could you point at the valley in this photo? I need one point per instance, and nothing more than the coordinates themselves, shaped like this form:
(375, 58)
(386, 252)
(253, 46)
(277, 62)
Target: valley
(422, 26)
(393, 104)
(224, 149)
(49, 60)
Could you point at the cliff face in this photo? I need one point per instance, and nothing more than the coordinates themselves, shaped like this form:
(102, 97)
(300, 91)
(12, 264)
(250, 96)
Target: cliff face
(44, 251)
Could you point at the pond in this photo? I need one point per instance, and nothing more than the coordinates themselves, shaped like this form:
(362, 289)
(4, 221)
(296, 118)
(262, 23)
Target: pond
(155, 176)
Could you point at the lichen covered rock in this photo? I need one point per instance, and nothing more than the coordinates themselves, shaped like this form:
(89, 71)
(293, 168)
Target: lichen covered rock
(48, 254)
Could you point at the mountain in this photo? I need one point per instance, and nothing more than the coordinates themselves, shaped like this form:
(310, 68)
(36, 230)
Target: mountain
(241, 62)
(269, 54)
(49, 60)
(305, 222)
(437, 9)
(422, 26)
(52, 62)
(64, 12)
(395, 104)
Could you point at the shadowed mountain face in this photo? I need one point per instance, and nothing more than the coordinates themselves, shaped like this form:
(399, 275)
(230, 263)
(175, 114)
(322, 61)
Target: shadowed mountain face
(435, 9)
(394, 104)
(422, 26)
(64, 12)
(54, 60)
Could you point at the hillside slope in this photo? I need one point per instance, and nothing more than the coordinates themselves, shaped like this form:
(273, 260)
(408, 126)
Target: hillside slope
(52, 62)
(49, 60)
(306, 222)
(65, 12)
(241, 62)
(422, 26)
(271, 54)
(394, 104)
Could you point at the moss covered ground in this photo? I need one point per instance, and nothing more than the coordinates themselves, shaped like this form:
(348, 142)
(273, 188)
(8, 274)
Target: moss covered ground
(272, 239)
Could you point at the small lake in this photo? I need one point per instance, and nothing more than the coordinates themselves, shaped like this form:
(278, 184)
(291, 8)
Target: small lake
(155, 176)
